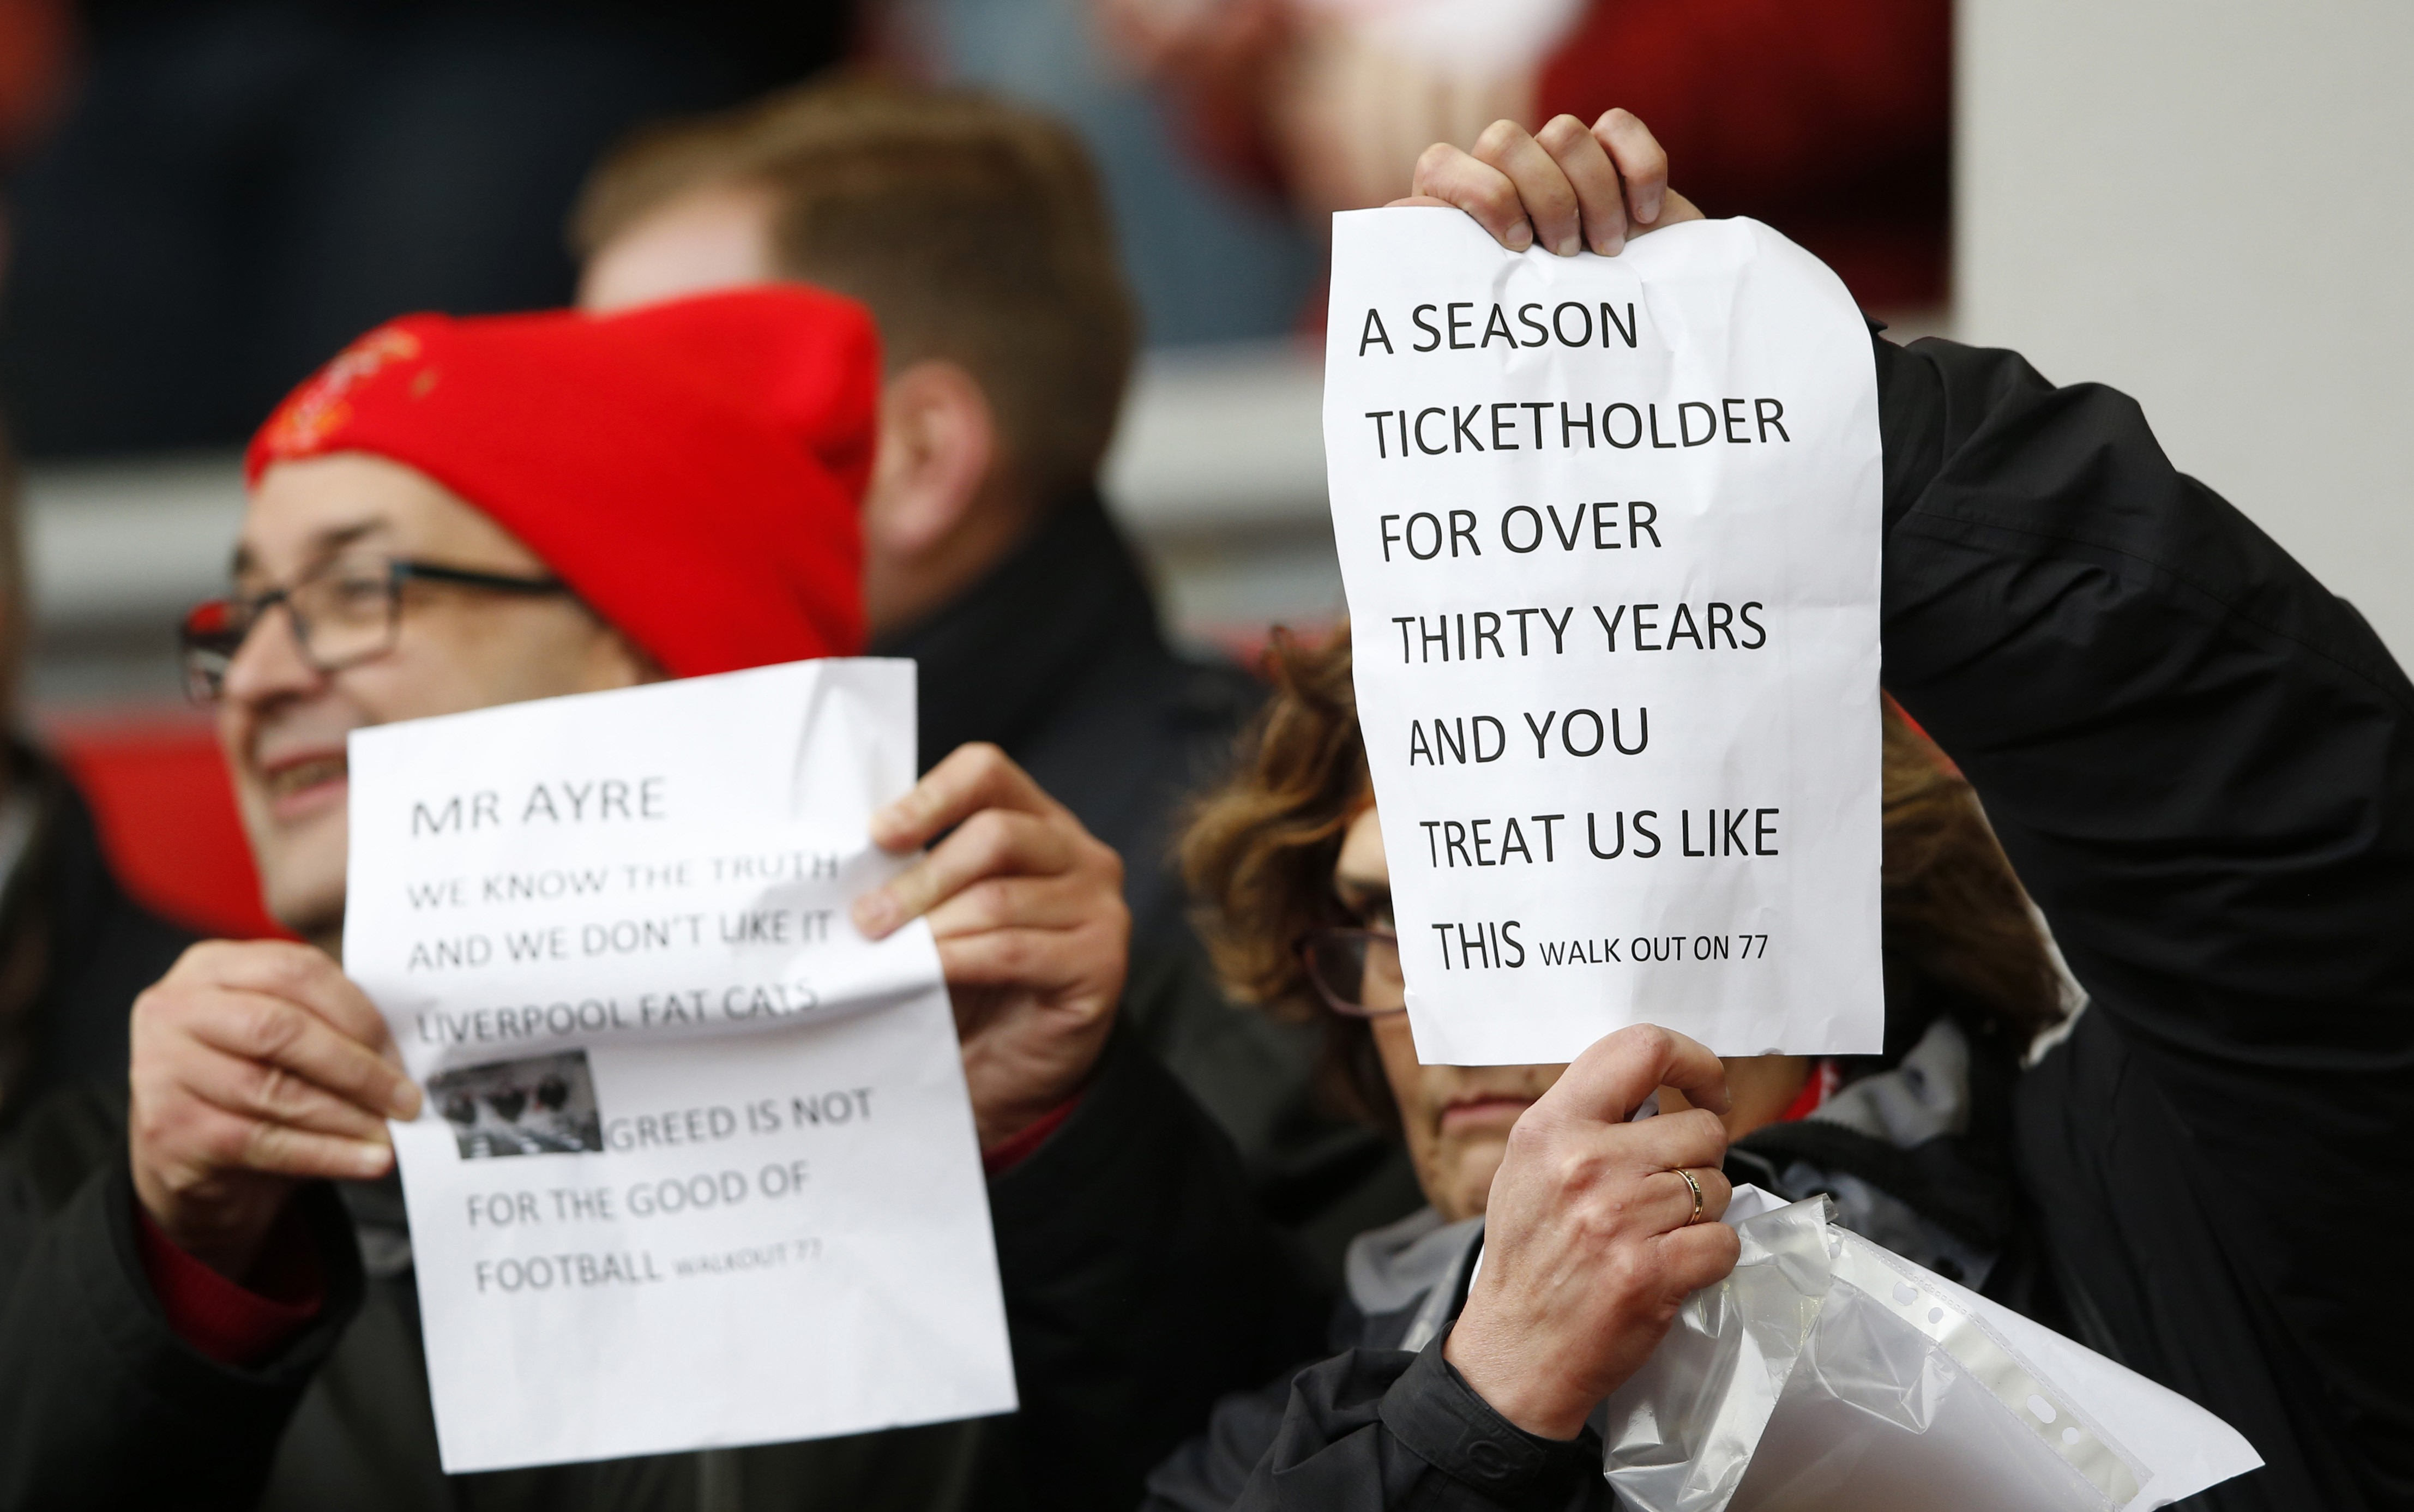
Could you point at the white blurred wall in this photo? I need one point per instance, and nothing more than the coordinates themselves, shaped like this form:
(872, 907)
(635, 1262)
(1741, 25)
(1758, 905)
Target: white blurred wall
(2210, 204)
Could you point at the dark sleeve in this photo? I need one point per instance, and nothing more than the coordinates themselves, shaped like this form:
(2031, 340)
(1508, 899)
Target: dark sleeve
(1141, 1283)
(1372, 1429)
(101, 1405)
(2201, 764)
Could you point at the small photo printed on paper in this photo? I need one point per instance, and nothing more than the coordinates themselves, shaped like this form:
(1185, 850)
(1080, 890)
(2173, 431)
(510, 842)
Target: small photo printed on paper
(544, 1105)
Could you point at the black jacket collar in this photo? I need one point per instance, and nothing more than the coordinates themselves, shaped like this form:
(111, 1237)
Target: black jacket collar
(996, 661)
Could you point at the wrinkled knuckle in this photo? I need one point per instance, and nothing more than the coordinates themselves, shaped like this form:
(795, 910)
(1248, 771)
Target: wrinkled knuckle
(1561, 132)
(197, 959)
(268, 1030)
(1434, 166)
(149, 1124)
(1629, 1275)
(1000, 841)
(181, 1178)
(272, 1091)
(1530, 1139)
(990, 903)
(1015, 957)
(1573, 1170)
(1496, 203)
(225, 1144)
(304, 964)
(155, 1009)
(1498, 139)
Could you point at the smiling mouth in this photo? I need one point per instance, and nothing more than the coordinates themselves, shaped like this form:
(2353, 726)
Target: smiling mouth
(293, 778)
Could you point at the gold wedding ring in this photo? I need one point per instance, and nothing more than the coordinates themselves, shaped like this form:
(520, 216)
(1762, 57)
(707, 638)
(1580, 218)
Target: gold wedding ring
(1697, 1198)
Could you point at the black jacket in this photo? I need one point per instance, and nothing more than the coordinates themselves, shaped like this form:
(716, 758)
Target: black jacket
(1056, 656)
(1140, 1286)
(74, 949)
(2201, 764)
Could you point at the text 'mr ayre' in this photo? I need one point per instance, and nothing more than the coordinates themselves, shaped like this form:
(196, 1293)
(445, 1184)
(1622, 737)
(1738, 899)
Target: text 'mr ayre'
(609, 800)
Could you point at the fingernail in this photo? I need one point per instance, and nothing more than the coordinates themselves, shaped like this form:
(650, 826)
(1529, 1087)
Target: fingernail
(875, 915)
(1613, 246)
(405, 1103)
(1568, 246)
(372, 1160)
(1521, 236)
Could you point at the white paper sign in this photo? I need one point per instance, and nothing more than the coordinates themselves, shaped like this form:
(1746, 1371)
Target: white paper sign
(698, 1167)
(1609, 528)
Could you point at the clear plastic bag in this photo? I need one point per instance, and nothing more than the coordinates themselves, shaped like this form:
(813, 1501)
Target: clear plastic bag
(1826, 1372)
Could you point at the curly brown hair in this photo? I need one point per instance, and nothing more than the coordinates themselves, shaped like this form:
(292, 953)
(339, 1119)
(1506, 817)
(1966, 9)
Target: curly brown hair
(1258, 854)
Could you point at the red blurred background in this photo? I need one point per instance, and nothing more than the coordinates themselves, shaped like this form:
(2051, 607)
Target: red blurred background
(166, 815)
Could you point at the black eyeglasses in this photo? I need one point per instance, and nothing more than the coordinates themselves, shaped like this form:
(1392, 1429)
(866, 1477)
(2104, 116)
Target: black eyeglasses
(345, 611)
(1356, 972)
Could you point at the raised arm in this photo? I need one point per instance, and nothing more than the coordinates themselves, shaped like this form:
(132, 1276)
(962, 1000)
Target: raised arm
(2201, 763)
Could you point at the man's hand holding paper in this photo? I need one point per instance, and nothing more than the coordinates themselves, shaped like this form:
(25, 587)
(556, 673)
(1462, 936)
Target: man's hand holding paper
(257, 1065)
(1566, 188)
(1027, 909)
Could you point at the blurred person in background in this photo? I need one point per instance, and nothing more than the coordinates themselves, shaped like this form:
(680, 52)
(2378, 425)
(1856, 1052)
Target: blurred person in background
(74, 949)
(1829, 119)
(208, 195)
(1213, 256)
(973, 230)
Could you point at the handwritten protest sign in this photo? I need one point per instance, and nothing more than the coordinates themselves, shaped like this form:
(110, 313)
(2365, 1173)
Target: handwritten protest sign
(698, 1167)
(1609, 528)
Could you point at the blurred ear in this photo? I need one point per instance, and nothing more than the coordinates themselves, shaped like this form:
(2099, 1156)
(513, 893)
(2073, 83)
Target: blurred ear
(938, 441)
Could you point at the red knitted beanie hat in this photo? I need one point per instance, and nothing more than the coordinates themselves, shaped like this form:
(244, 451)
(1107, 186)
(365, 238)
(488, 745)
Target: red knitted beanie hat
(692, 469)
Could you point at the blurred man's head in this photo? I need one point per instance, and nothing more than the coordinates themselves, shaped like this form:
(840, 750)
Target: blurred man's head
(974, 232)
(454, 514)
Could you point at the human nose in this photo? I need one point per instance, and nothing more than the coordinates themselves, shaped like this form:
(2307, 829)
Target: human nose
(270, 661)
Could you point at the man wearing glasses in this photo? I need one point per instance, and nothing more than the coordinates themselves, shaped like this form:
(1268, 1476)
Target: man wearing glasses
(456, 514)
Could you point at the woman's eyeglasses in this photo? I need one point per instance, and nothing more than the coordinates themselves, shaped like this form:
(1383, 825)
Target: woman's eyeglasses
(345, 611)
(1356, 972)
